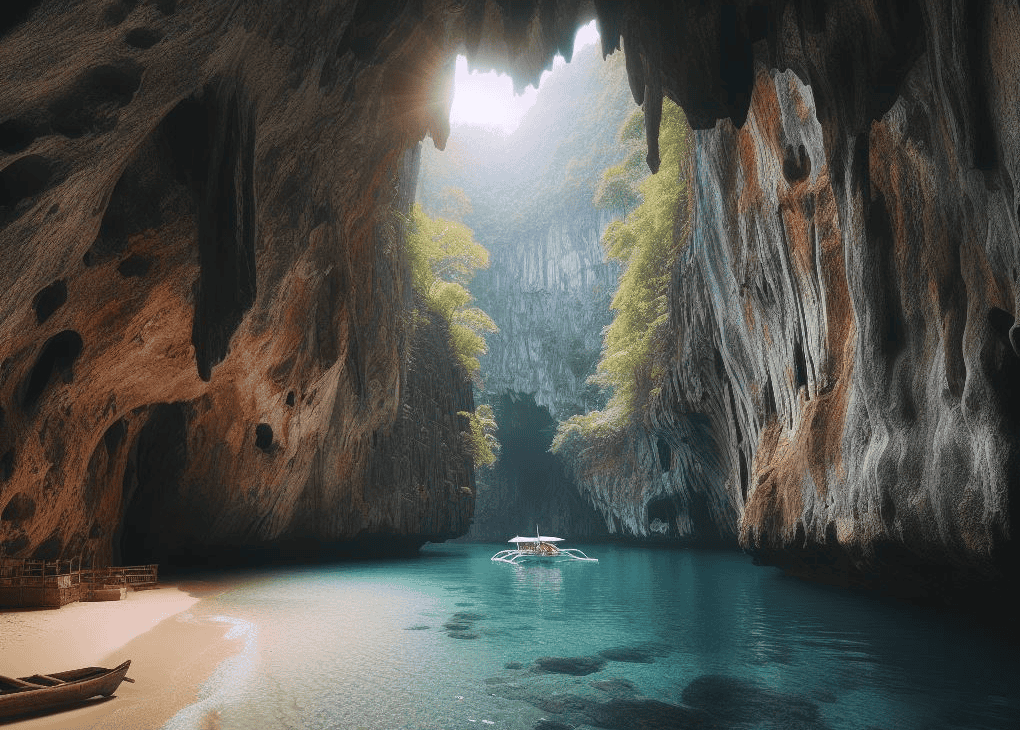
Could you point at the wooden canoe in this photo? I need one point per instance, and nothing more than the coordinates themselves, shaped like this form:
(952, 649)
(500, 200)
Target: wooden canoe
(42, 692)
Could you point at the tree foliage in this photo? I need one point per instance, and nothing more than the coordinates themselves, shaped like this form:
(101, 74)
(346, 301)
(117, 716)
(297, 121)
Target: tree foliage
(619, 187)
(647, 243)
(480, 437)
(443, 256)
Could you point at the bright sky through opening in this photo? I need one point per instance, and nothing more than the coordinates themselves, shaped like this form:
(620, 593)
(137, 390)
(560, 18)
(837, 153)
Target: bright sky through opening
(488, 99)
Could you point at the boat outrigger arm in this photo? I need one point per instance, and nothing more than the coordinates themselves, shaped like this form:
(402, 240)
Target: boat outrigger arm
(540, 546)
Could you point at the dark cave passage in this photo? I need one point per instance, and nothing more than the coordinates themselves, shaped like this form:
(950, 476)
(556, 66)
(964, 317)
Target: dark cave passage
(525, 433)
(529, 486)
(151, 480)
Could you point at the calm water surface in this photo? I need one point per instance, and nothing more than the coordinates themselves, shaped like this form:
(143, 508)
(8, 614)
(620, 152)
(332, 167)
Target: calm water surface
(687, 639)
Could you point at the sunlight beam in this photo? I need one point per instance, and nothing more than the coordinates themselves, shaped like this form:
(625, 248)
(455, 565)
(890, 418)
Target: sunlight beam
(488, 99)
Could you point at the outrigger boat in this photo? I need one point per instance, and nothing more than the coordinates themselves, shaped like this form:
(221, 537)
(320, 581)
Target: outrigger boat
(539, 547)
(42, 692)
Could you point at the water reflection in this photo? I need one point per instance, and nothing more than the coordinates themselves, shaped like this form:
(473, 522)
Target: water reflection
(538, 579)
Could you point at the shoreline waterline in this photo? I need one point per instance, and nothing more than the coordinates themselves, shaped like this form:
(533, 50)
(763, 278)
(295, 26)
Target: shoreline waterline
(173, 645)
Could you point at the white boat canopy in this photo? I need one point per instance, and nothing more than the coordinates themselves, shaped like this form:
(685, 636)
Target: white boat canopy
(536, 539)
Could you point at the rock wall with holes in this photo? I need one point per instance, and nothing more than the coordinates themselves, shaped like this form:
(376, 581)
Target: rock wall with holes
(203, 333)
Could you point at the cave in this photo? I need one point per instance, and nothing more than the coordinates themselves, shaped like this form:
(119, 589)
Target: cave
(157, 463)
(837, 246)
(264, 438)
(49, 300)
(57, 355)
(23, 179)
(663, 511)
(91, 104)
(665, 454)
(525, 432)
(529, 487)
(143, 37)
(15, 135)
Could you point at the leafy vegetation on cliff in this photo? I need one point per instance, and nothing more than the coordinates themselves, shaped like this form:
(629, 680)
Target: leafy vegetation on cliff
(444, 255)
(481, 435)
(530, 199)
(646, 242)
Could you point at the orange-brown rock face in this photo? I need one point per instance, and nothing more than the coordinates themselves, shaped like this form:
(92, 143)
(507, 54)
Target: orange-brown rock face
(203, 328)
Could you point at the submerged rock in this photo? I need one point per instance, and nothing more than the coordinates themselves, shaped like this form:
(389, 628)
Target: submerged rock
(737, 701)
(545, 724)
(646, 714)
(616, 687)
(577, 666)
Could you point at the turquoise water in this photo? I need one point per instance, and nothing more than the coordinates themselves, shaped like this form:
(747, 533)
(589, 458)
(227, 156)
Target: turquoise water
(687, 639)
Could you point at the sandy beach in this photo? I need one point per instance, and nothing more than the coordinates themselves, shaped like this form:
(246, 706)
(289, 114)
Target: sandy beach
(173, 648)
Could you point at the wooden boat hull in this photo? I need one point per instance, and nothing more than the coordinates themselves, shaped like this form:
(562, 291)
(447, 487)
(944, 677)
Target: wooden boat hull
(77, 686)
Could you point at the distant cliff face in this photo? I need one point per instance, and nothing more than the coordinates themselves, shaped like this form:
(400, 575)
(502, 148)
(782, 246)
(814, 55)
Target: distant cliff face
(549, 296)
(548, 286)
(203, 291)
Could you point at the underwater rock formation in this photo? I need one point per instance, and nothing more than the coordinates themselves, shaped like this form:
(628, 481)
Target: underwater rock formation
(201, 275)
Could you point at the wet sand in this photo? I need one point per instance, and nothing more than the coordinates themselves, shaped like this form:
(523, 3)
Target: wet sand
(172, 646)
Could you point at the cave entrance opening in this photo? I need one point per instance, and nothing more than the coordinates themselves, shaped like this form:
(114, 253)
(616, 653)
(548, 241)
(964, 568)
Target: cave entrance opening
(526, 174)
(528, 484)
(151, 486)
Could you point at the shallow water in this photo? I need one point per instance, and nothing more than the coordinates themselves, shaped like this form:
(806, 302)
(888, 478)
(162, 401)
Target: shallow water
(670, 638)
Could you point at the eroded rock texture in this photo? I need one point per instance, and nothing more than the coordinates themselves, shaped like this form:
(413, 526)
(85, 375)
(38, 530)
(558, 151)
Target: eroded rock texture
(550, 297)
(205, 340)
(194, 204)
(845, 310)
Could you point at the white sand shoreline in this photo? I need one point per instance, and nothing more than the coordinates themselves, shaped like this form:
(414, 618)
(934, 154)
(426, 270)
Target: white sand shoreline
(81, 634)
(173, 648)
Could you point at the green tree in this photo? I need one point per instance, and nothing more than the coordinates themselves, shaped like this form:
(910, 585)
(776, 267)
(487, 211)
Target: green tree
(453, 204)
(444, 256)
(647, 243)
(481, 435)
(619, 187)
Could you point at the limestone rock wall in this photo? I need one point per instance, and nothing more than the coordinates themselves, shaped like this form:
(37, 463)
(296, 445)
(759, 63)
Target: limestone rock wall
(844, 313)
(550, 298)
(203, 321)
